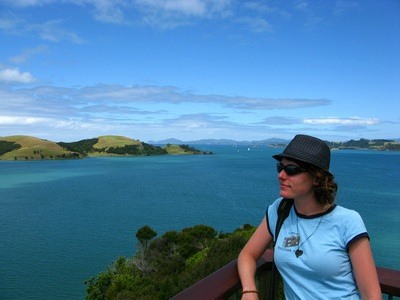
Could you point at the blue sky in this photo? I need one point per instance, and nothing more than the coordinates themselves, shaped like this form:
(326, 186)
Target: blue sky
(195, 69)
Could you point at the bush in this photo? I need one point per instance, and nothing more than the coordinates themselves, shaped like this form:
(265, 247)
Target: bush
(173, 262)
(6, 146)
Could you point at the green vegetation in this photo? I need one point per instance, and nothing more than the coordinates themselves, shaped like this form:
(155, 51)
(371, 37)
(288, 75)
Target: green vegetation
(143, 149)
(183, 149)
(104, 145)
(6, 146)
(165, 266)
(31, 148)
(106, 141)
(378, 144)
(83, 146)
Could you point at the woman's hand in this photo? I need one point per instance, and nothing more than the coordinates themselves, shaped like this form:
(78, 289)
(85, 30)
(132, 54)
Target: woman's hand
(250, 296)
(364, 269)
(248, 257)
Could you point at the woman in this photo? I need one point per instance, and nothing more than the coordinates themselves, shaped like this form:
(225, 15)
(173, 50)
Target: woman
(322, 250)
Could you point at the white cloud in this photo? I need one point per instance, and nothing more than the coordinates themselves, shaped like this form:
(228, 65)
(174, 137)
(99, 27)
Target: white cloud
(26, 3)
(258, 7)
(109, 11)
(27, 54)
(15, 76)
(173, 95)
(8, 24)
(342, 6)
(341, 121)
(138, 111)
(184, 7)
(19, 120)
(271, 103)
(277, 120)
(257, 25)
(168, 14)
(53, 31)
(124, 102)
(54, 123)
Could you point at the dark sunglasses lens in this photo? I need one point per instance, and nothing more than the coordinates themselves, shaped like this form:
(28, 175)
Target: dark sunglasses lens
(292, 170)
(289, 169)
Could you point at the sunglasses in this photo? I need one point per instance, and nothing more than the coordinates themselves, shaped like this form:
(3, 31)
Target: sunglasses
(290, 170)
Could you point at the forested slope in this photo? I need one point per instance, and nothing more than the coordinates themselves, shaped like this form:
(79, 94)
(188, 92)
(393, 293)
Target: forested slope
(164, 266)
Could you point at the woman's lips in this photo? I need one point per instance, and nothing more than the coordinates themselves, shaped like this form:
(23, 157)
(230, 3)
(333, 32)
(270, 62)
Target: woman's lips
(283, 186)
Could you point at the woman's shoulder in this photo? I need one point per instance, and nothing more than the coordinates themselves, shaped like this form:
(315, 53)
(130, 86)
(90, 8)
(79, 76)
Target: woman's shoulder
(345, 213)
(272, 209)
(275, 203)
(344, 210)
(350, 224)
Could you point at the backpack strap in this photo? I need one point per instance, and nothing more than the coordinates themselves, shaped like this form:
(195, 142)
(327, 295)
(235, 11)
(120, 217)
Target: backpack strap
(283, 212)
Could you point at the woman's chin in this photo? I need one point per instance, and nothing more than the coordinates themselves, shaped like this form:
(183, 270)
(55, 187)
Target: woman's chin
(284, 194)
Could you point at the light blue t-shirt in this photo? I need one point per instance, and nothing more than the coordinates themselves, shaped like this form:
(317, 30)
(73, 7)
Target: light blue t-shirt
(323, 270)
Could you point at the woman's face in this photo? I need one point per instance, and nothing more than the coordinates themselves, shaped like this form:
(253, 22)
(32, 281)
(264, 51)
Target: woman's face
(297, 186)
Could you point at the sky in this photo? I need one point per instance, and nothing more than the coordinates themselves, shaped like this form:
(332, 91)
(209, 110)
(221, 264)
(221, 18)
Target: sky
(200, 69)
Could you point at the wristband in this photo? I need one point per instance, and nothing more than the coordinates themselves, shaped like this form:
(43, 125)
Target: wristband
(249, 291)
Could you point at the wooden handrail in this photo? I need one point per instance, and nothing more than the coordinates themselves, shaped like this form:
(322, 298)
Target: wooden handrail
(225, 281)
(389, 281)
(221, 283)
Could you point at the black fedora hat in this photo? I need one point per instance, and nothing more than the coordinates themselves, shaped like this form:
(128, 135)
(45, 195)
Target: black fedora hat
(308, 149)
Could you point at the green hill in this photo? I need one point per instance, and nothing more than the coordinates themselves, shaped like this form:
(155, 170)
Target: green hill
(182, 149)
(107, 141)
(21, 147)
(31, 148)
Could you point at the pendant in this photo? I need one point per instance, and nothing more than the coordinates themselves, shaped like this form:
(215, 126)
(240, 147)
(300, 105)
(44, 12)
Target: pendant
(298, 253)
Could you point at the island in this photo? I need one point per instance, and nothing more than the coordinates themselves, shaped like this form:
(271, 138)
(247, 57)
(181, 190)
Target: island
(21, 147)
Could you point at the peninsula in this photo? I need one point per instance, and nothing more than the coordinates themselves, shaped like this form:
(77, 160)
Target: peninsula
(20, 147)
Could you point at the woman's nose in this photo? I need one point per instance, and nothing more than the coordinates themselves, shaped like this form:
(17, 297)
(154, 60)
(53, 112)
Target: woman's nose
(282, 174)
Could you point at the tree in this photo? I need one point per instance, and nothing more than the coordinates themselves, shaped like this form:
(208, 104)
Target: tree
(83, 146)
(170, 263)
(6, 146)
(141, 260)
(144, 235)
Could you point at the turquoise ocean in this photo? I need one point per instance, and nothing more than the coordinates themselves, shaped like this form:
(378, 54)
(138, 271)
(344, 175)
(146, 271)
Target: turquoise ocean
(62, 222)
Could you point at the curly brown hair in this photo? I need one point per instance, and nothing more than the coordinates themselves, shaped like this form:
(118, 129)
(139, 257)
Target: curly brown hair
(326, 187)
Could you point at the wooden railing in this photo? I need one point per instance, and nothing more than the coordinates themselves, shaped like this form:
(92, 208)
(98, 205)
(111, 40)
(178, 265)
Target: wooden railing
(225, 283)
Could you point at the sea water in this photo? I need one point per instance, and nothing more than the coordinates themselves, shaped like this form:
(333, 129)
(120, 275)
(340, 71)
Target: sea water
(63, 221)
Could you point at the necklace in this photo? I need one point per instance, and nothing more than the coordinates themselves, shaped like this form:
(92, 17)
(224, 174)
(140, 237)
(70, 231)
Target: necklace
(299, 252)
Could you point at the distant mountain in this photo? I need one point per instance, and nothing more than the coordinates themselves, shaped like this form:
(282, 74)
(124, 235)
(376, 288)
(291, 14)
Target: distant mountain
(20, 147)
(375, 144)
(225, 142)
(167, 141)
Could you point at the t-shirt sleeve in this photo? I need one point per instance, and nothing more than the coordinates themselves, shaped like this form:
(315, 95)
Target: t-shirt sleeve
(354, 228)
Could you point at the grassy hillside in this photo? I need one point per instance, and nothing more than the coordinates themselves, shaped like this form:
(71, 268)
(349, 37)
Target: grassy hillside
(182, 149)
(33, 148)
(107, 141)
(174, 149)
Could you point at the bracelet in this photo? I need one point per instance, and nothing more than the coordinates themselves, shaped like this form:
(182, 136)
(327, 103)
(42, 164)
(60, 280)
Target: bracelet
(250, 291)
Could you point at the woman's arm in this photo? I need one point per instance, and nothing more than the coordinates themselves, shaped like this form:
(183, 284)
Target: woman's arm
(252, 251)
(364, 269)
